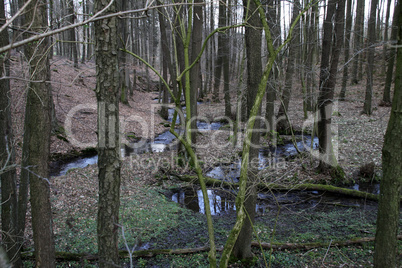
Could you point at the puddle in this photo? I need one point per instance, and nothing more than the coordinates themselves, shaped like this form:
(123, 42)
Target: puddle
(223, 202)
(220, 202)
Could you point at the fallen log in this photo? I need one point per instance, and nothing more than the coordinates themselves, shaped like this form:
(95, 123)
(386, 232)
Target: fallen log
(68, 256)
(312, 245)
(274, 186)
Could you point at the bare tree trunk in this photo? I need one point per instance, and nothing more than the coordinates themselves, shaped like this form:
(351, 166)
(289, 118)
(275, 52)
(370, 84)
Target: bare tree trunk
(72, 39)
(370, 58)
(347, 41)
(7, 159)
(282, 124)
(242, 247)
(107, 90)
(328, 80)
(123, 70)
(391, 56)
(195, 81)
(37, 132)
(84, 32)
(386, 28)
(212, 49)
(358, 38)
(272, 81)
(165, 60)
(225, 66)
(386, 243)
(221, 50)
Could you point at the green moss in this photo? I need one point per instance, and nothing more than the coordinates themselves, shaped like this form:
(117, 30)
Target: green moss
(338, 175)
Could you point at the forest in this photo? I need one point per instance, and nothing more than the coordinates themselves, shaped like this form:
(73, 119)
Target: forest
(254, 133)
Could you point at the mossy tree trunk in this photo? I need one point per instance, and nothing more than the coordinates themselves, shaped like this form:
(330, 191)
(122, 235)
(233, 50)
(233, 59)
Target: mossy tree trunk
(386, 246)
(37, 130)
(107, 91)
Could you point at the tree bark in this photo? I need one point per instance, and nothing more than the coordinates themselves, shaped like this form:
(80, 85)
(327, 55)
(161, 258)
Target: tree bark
(73, 45)
(347, 41)
(386, 246)
(195, 79)
(391, 55)
(107, 91)
(225, 64)
(221, 50)
(283, 124)
(272, 86)
(37, 132)
(367, 108)
(358, 38)
(125, 83)
(242, 247)
(328, 80)
(7, 159)
(386, 27)
(166, 61)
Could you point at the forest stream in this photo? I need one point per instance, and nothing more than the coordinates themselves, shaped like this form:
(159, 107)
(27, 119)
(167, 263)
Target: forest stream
(223, 201)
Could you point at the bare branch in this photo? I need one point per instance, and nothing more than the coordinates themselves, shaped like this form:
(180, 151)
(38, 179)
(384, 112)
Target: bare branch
(96, 17)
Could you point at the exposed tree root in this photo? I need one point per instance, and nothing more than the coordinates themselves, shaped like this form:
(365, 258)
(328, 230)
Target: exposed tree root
(273, 186)
(67, 256)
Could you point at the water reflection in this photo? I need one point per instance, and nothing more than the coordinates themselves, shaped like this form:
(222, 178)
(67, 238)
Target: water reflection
(219, 201)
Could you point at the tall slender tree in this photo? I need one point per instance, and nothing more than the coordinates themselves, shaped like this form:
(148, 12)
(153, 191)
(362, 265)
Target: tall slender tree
(348, 30)
(367, 109)
(37, 130)
(282, 124)
(107, 90)
(72, 45)
(391, 52)
(7, 158)
(242, 247)
(166, 60)
(272, 82)
(225, 65)
(123, 42)
(358, 40)
(329, 65)
(195, 72)
(220, 51)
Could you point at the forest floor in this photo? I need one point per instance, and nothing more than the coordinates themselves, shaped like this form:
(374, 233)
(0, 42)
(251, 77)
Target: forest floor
(153, 221)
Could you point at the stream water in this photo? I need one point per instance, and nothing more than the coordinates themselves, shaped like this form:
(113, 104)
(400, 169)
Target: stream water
(222, 201)
(159, 144)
